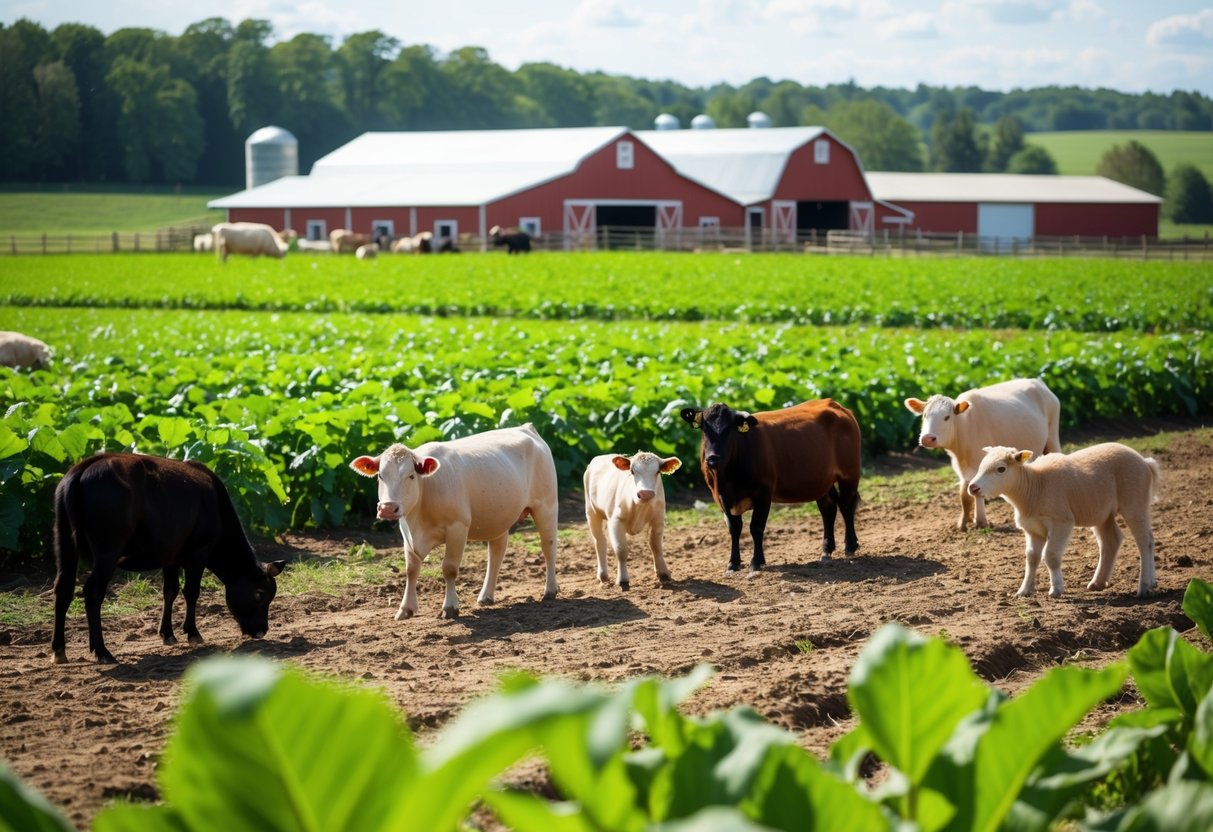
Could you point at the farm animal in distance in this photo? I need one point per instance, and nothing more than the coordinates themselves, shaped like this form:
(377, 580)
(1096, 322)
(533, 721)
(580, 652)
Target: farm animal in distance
(1057, 492)
(204, 242)
(20, 350)
(420, 243)
(624, 495)
(472, 488)
(516, 241)
(141, 513)
(1022, 412)
(250, 238)
(345, 241)
(367, 252)
(807, 452)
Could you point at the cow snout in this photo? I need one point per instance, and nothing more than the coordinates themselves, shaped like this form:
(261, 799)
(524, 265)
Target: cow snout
(644, 496)
(928, 440)
(975, 489)
(713, 461)
(389, 511)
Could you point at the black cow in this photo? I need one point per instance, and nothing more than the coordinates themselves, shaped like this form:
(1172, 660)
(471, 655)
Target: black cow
(809, 452)
(142, 513)
(518, 242)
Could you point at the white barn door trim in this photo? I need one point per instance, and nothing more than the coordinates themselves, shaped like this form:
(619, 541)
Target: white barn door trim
(580, 224)
(669, 219)
(863, 217)
(783, 221)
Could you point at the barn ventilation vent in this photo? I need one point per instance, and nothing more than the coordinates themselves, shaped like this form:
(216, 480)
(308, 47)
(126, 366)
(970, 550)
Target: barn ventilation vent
(667, 121)
(758, 120)
(703, 121)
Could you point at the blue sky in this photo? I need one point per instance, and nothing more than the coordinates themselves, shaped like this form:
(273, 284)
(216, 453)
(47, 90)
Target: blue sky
(996, 44)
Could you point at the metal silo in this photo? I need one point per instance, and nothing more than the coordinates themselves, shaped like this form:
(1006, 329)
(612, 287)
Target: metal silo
(667, 121)
(703, 121)
(758, 120)
(269, 154)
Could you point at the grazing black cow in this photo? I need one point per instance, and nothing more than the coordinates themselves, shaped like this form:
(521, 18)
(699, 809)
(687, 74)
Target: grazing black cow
(518, 242)
(809, 452)
(145, 512)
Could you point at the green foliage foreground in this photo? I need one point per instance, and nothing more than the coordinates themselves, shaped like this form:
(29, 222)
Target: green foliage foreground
(260, 746)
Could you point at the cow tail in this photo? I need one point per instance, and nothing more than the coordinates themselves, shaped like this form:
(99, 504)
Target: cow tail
(1155, 478)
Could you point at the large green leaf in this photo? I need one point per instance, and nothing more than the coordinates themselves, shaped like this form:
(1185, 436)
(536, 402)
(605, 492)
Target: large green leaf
(1185, 806)
(525, 812)
(793, 792)
(1170, 672)
(134, 817)
(10, 443)
(23, 809)
(1020, 733)
(1198, 605)
(256, 747)
(1200, 742)
(12, 515)
(908, 721)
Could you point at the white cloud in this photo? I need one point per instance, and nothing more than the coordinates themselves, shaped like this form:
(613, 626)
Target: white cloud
(1183, 30)
(917, 25)
(1079, 11)
(607, 15)
(1016, 12)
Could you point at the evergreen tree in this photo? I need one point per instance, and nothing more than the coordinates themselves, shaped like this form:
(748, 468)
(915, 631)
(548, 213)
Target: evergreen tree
(1008, 140)
(1032, 159)
(954, 145)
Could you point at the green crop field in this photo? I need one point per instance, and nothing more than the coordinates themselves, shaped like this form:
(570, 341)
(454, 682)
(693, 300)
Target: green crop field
(277, 373)
(91, 210)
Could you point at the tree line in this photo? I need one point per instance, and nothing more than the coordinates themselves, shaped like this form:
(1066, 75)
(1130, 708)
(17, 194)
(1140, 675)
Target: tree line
(139, 105)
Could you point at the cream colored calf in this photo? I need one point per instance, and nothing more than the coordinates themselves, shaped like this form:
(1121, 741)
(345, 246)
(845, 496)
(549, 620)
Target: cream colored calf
(624, 495)
(1057, 492)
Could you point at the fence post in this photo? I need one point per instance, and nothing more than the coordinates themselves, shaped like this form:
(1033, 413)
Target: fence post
(13, 242)
(44, 243)
(115, 240)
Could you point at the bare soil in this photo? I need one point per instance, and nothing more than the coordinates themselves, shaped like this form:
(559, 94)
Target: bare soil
(784, 641)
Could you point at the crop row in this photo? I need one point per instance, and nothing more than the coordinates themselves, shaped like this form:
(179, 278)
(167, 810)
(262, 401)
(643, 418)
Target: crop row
(1085, 295)
(279, 403)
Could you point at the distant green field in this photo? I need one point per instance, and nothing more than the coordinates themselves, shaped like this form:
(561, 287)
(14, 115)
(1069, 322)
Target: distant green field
(90, 210)
(1077, 152)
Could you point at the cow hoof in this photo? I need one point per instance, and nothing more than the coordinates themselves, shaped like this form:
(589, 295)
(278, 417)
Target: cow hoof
(825, 557)
(105, 657)
(1024, 593)
(549, 596)
(403, 614)
(486, 602)
(665, 577)
(625, 586)
(449, 612)
(733, 567)
(196, 638)
(60, 657)
(170, 639)
(604, 578)
(754, 573)
(1054, 593)
(1095, 585)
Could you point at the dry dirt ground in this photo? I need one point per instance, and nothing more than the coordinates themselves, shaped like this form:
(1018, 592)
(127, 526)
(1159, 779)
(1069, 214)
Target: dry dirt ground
(83, 733)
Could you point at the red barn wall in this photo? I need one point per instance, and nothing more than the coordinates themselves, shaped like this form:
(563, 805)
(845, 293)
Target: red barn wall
(946, 217)
(1096, 220)
(274, 217)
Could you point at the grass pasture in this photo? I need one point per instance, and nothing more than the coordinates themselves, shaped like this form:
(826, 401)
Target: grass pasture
(81, 209)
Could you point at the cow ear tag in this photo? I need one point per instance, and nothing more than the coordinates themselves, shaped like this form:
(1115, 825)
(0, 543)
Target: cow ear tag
(744, 427)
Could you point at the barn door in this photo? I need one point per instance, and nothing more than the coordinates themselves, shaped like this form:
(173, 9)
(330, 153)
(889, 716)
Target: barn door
(783, 221)
(579, 225)
(669, 222)
(863, 217)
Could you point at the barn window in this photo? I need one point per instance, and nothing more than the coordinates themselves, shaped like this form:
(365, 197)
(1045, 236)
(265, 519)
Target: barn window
(384, 229)
(530, 225)
(821, 151)
(316, 230)
(625, 158)
(446, 228)
(709, 222)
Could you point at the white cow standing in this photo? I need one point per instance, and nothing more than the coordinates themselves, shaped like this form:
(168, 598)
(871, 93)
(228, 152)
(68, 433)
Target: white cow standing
(251, 238)
(474, 488)
(1022, 412)
(624, 495)
(1086, 488)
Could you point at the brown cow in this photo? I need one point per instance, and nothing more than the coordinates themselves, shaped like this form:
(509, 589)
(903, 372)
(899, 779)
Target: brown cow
(808, 452)
(145, 512)
(345, 241)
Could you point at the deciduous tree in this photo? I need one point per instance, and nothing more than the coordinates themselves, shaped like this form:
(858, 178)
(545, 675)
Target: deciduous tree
(1133, 164)
(1189, 197)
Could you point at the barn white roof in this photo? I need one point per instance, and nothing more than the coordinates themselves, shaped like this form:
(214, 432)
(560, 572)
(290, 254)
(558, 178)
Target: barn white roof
(742, 163)
(463, 167)
(1001, 187)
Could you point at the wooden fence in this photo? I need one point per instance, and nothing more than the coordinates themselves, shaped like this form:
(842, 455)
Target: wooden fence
(726, 240)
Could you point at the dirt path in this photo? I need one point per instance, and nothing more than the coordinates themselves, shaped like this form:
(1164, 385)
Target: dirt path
(783, 641)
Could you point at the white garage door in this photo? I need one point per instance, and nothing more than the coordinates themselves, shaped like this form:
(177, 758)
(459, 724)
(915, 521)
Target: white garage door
(1002, 225)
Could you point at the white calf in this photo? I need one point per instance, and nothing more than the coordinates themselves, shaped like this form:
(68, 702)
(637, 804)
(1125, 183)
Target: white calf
(625, 495)
(474, 488)
(367, 252)
(1086, 488)
(1022, 412)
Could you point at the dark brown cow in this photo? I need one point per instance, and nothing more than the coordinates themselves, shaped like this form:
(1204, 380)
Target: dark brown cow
(145, 512)
(807, 452)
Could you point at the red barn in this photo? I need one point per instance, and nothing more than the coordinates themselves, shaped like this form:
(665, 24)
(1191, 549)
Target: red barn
(1006, 206)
